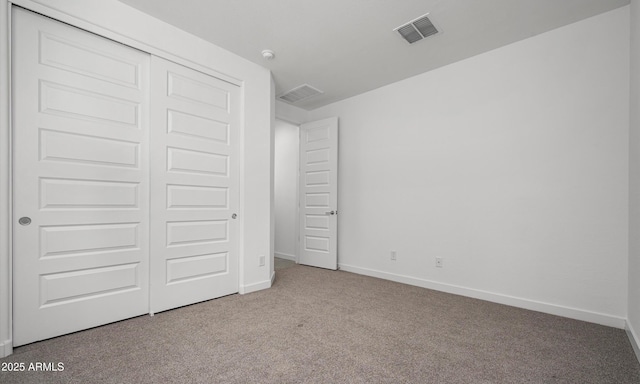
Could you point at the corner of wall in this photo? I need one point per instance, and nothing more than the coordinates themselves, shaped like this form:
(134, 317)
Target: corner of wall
(249, 288)
(633, 281)
(633, 339)
(272, 146)
(6, 348)
(257, 183)
(290, 113)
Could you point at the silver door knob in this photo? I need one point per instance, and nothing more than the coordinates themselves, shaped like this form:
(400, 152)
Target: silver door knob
(331, 213)
(24, 220)
(234, 216)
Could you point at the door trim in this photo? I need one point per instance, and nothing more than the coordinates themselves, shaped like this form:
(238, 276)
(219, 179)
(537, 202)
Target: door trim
(6, 205)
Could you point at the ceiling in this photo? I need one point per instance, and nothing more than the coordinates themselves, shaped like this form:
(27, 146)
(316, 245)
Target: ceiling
(347, 47)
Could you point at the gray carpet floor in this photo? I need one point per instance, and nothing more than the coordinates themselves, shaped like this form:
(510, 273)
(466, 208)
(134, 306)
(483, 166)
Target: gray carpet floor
(318, 326)
(279, 263)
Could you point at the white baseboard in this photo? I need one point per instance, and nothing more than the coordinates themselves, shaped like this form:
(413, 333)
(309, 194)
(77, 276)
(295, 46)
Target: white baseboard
(553, 309)
(633, 338)
(6, 348)
(285, 256)
(255, 287)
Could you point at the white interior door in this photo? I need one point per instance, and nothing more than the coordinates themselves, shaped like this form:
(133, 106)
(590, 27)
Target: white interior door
(319, 193)
(194, 176)
(80, 179)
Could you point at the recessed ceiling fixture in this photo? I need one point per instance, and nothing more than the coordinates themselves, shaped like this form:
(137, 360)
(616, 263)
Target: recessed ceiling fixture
(268, 54)
(417, 29)
(299, 93)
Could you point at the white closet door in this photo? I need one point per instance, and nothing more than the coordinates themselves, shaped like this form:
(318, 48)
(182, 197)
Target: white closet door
(80, 178)
(194, 176)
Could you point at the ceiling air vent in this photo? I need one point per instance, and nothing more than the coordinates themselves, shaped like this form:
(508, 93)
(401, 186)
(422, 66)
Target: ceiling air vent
(417, 29)
(299, 93)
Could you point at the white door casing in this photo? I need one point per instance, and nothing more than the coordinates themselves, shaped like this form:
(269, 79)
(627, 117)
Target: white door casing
(80, 155)
(195, 122)
(319, 193)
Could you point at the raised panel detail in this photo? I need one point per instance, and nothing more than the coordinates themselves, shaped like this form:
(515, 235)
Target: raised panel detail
(316, 200)
(314, 243)
(196, 267)
(70, 194)
(197, 126)
(195, 91)
(318, 156)
(181, 233)
(67, 287)
(56, 99)
(317, 178)
(70, 147)
(184, 160)
(317, 134)
(191, 196)
(316, 222)
(64, 54)
(77, 239)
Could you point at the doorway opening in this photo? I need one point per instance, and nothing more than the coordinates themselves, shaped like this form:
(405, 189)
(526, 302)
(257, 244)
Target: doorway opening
(286, 165)
(306, 193)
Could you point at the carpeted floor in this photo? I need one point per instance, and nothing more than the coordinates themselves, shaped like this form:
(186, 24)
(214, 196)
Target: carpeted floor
(318, 326)
(279, 263)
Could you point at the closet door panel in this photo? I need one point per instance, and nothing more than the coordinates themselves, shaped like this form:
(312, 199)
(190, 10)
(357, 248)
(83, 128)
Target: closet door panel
(80, 187)
(194, 173)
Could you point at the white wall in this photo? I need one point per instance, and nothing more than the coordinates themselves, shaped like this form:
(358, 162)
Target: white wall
(286, 189)
(634, 181)
(511, 165)
(291, 113)
(122, 23)
(272, 147)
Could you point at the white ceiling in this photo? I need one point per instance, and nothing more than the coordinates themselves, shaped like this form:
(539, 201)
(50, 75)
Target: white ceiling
(347, 47)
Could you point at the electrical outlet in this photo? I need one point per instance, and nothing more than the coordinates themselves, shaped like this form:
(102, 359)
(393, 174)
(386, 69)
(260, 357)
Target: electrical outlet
(394, 254)
(262, 261)
(439, 262)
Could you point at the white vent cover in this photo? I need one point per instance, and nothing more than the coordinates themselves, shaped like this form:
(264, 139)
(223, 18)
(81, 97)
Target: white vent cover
(417, 29)
(299, 93)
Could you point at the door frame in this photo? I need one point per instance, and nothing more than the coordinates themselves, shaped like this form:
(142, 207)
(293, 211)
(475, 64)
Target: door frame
(252, 80)
(292, 116)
